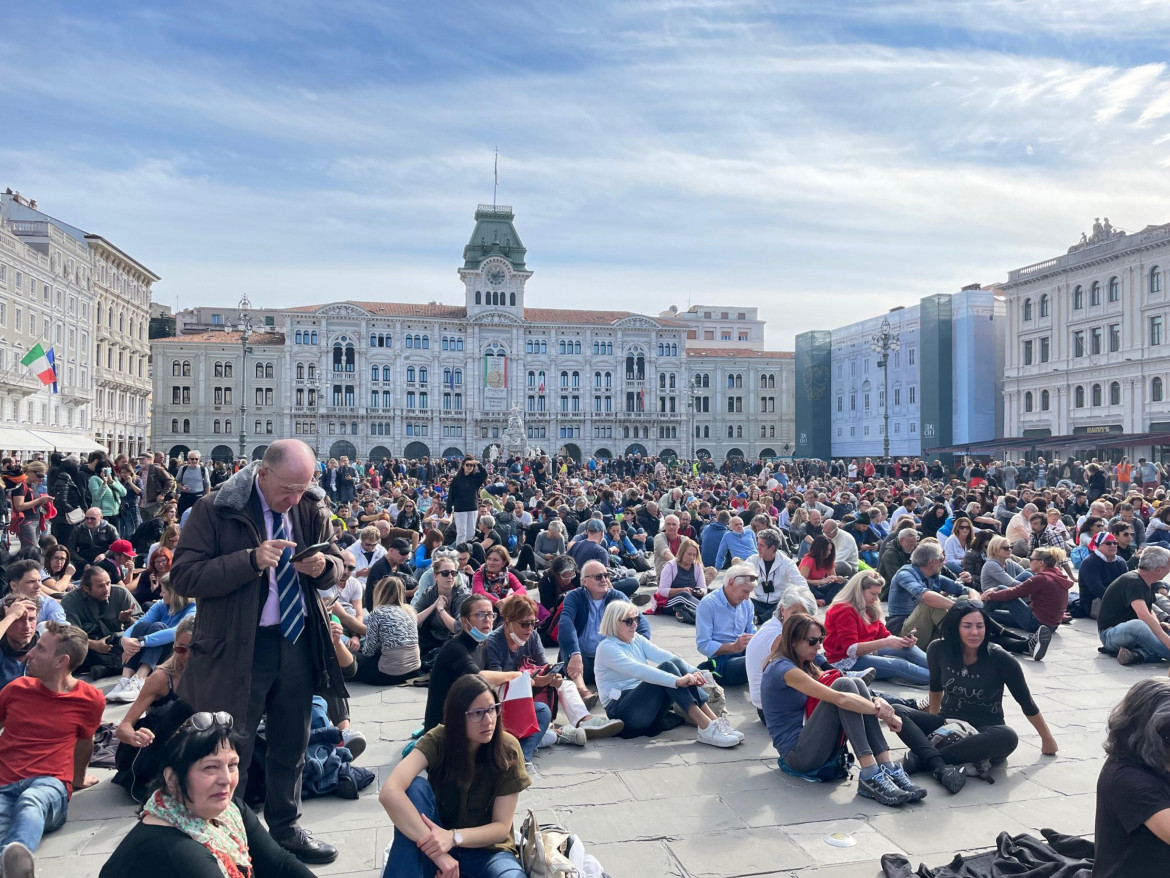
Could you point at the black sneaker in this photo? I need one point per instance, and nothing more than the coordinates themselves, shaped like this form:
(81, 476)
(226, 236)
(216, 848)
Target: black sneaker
(882, 789)
(910, 762)
(951, 777)
(1038, 642)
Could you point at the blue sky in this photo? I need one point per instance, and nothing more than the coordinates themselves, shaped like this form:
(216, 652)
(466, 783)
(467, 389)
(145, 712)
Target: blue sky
(822, 160)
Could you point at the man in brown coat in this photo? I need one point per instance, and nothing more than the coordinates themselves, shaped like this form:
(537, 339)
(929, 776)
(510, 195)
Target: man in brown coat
(261, 645)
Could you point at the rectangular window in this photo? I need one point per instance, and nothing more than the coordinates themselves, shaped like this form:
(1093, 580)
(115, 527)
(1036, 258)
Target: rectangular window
(897, 396)
(910, 356)
(1095, 340)
(1155, 329)
(1079, 343)
(1044, 349)
(913, 394)
(1028, 353)
(1114, 337)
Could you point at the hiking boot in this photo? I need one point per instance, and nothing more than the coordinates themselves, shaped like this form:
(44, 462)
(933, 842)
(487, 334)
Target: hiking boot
(951, 777)
(1128, 657)
(902, 781)
(882, 789)
(1038, 642)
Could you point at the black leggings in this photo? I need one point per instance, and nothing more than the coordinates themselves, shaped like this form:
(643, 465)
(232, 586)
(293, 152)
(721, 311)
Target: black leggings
(991, 742)
(367, 672)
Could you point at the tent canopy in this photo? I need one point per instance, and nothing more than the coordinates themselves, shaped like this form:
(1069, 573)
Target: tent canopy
(17, 439)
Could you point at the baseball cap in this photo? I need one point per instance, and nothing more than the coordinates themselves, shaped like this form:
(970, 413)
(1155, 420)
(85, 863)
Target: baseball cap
(400, 544)
(593, 525)
(123, 547)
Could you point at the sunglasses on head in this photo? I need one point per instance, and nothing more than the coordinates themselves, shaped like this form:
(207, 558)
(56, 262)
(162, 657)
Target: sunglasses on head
(968, 604)
(204, 720)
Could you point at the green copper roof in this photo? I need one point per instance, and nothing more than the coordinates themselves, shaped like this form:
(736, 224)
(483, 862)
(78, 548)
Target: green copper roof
(494, 235)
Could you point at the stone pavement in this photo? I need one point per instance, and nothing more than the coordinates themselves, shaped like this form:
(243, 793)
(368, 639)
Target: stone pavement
(672, 807)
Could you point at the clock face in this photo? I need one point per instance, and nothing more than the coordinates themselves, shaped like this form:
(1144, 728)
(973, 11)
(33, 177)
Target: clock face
(495, 276)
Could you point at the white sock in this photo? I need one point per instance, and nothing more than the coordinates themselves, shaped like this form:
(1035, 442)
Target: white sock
(550, 738)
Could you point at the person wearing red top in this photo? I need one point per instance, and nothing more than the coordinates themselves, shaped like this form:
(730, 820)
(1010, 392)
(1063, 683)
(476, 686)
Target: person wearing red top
(1048, 597)
(856, 639)
(49, 718)
(494, 580)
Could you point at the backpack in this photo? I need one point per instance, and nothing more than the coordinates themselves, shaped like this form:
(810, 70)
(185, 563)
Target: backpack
(183, 469)
(1078, 555)
(837, 767)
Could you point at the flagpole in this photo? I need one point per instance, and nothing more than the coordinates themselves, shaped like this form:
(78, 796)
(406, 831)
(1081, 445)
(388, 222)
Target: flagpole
(495, 177)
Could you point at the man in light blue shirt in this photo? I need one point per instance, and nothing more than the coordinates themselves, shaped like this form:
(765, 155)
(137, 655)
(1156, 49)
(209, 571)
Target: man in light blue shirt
(738, 542)
(724, 626)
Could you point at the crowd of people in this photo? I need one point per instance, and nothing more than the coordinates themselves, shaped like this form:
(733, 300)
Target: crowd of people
(222, 597)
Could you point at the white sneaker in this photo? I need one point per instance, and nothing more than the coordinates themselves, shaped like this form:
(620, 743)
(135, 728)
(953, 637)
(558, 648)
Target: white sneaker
(354, 741)
(125, 690)
(713, 736)
(725, 728)
(571, 735)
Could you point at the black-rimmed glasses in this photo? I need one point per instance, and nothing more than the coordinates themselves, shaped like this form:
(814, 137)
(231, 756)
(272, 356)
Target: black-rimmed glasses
(204, 720)
(480, 714)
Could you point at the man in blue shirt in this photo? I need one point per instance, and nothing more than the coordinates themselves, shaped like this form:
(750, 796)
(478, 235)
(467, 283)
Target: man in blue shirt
(724, 626)
(739, 542)
(18, 627)
(919, 595)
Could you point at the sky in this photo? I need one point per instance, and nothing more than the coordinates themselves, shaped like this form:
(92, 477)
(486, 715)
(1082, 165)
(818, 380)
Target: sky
(823, 160)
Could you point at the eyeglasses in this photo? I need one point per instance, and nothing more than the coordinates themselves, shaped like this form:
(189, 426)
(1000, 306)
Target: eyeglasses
(480, 714)
(527, 624)
(815, 641)
(349, 567)
(204, 720)
(484, 616)
(632, 621)
(445, 573)
(605, 576)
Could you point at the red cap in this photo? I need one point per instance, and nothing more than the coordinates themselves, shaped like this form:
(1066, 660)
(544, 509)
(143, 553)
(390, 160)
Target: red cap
(123, 547)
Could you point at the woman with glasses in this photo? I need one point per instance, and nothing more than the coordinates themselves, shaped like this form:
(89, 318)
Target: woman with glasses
(148, 588)
(458, 819)
(1039, 602)
(391, 635)
(968, 675)
(1133, 789)
(57, 577)
(808, 737)
(856, 639)
(440, 596)
(957, 544)
(639, 681)
(149, 640)
(999, 568)
(463, 497)
(192, 826)
(458, 657)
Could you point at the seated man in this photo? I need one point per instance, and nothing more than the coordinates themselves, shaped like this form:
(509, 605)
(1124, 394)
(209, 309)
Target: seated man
(1099, 569)
(104, 612)
(846, 546)
(666, 542)
(738, 542)
(589, 547)
(49, 719)
(775, 574)
(93, 537)
(724, 626)
(920, 597)
(24, 580)
(1125, 624)
(578, 632)
(394, 563)
(344, 601)
(18, 626)
(895, 556)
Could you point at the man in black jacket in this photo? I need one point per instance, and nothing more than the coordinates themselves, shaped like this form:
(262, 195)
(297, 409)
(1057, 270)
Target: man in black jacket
(92, 539)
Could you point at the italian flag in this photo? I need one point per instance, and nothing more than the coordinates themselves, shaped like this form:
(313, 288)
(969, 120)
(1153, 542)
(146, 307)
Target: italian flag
(42, 362)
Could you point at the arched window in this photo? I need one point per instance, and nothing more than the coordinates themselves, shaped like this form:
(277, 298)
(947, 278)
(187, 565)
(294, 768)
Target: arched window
(478, 298)
(564, 379)
(300, 371)
(298, 337)
(338, 357)
(1078, 298)
(531, 380)
(386, 372)
(1114, 289)
(1028, 401)
(227, 426)
(174, 425)
(227, 370)
(268, 426)
(1027, 309)
(512, 299)
(259, 427)
(1155, 280)
(373, 340)
(186, 368)
(426, 342)
(1115, 393)
(1156, 390)
(662, 381)
(1097, 395)
(409, 341)
(215, 426)
(597, 379)
(410, 374)
(314, 337)
(1079, 397)
(259, 370)
(1044, 305)
(422, 374)
(1095, 293)
(186, 425)
(1045, 399)
(176, 367)
(219, 370)
(312, 371)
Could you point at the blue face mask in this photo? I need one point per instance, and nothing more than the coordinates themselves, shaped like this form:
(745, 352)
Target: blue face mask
(477, 635)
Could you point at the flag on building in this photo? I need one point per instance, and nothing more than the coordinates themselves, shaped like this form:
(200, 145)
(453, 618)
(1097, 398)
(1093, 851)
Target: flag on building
(43, 363)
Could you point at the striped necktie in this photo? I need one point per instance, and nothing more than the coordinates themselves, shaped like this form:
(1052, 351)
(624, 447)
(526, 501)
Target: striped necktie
(288, 587)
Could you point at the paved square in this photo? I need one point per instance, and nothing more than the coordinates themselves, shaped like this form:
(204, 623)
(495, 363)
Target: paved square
(672, 807)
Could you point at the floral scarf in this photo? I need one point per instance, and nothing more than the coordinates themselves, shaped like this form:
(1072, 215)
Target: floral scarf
(224, 837)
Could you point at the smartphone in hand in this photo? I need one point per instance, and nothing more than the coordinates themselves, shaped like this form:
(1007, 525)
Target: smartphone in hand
(310, 550)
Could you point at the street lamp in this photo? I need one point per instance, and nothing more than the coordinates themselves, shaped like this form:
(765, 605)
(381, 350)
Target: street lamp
(885, 341)
(245, 324)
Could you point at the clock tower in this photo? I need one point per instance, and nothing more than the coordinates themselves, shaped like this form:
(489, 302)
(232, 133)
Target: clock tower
(493, 271)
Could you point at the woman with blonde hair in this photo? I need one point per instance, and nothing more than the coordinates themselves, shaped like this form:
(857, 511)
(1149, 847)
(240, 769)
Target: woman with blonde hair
(682, 583)
(150, 640)
(391, 635)
(856, 639)
(1000, 570)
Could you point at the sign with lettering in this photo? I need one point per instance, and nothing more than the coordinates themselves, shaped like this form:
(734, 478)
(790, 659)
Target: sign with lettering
(1097, 429)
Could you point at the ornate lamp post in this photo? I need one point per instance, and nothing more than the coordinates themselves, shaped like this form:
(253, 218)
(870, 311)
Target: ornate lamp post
(884, 342)
(245, 325)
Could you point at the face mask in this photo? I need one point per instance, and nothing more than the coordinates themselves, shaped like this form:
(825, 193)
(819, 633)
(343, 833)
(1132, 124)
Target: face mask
(477, 635)
(517, 639)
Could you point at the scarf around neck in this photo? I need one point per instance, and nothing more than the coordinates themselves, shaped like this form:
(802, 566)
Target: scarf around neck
(224, 837)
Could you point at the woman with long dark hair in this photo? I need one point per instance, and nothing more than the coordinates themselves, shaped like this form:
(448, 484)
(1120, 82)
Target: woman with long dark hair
(1133, 789)
(935, 518)
(819, 568)
(458, 820)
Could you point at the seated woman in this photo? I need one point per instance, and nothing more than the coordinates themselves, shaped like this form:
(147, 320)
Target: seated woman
(494, 580)
(192, 826)
(975, 558)
(682, 583)
(149, 640)
(999, 569)
(458, 819)
(1133, 788)
(856, 639)
(57, 577)
(967, 678)
(154, 715)
(148, 588)
(550, 544)
(645, 692)
(391, 635)
(423, 555)
(1039, 602)
(819, 567)
(169, 540)
(957, 544)
(791, 677)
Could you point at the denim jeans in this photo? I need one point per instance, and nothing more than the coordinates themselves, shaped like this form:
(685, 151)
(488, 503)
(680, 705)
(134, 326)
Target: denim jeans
(731, 670)
(639, 708)
(1015, 613)
(543, 718)
(407, 861)
(896, 663)
(1135, 635)
(151, 656)
(30, 808)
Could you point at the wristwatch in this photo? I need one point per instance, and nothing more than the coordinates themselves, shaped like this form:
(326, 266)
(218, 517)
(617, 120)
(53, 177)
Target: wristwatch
(457, 837)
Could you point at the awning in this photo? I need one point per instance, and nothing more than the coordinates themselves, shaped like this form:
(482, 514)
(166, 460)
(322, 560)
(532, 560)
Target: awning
(16, 439)
(1070, 441)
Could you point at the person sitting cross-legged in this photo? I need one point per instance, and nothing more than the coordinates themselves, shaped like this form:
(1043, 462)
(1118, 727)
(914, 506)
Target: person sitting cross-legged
(857, 640)
(1126, 625)
(148, 641)
(724, 625)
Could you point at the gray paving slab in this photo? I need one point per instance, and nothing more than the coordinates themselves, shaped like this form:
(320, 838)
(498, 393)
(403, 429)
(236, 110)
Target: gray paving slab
(673, 807)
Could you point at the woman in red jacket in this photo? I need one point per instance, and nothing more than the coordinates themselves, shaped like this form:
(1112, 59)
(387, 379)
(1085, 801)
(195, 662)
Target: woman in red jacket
(494, 580)
(856, 638)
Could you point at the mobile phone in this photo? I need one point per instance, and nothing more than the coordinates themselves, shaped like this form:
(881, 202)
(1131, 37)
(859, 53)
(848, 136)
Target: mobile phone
(106, 471)
(913, 632)
(310, 550)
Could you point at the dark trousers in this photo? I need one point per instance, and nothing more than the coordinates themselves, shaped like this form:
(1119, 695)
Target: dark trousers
(992, 742)
(641, 707)
(99, 665)
(282, 691)
(187, 499)
(367, 672)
